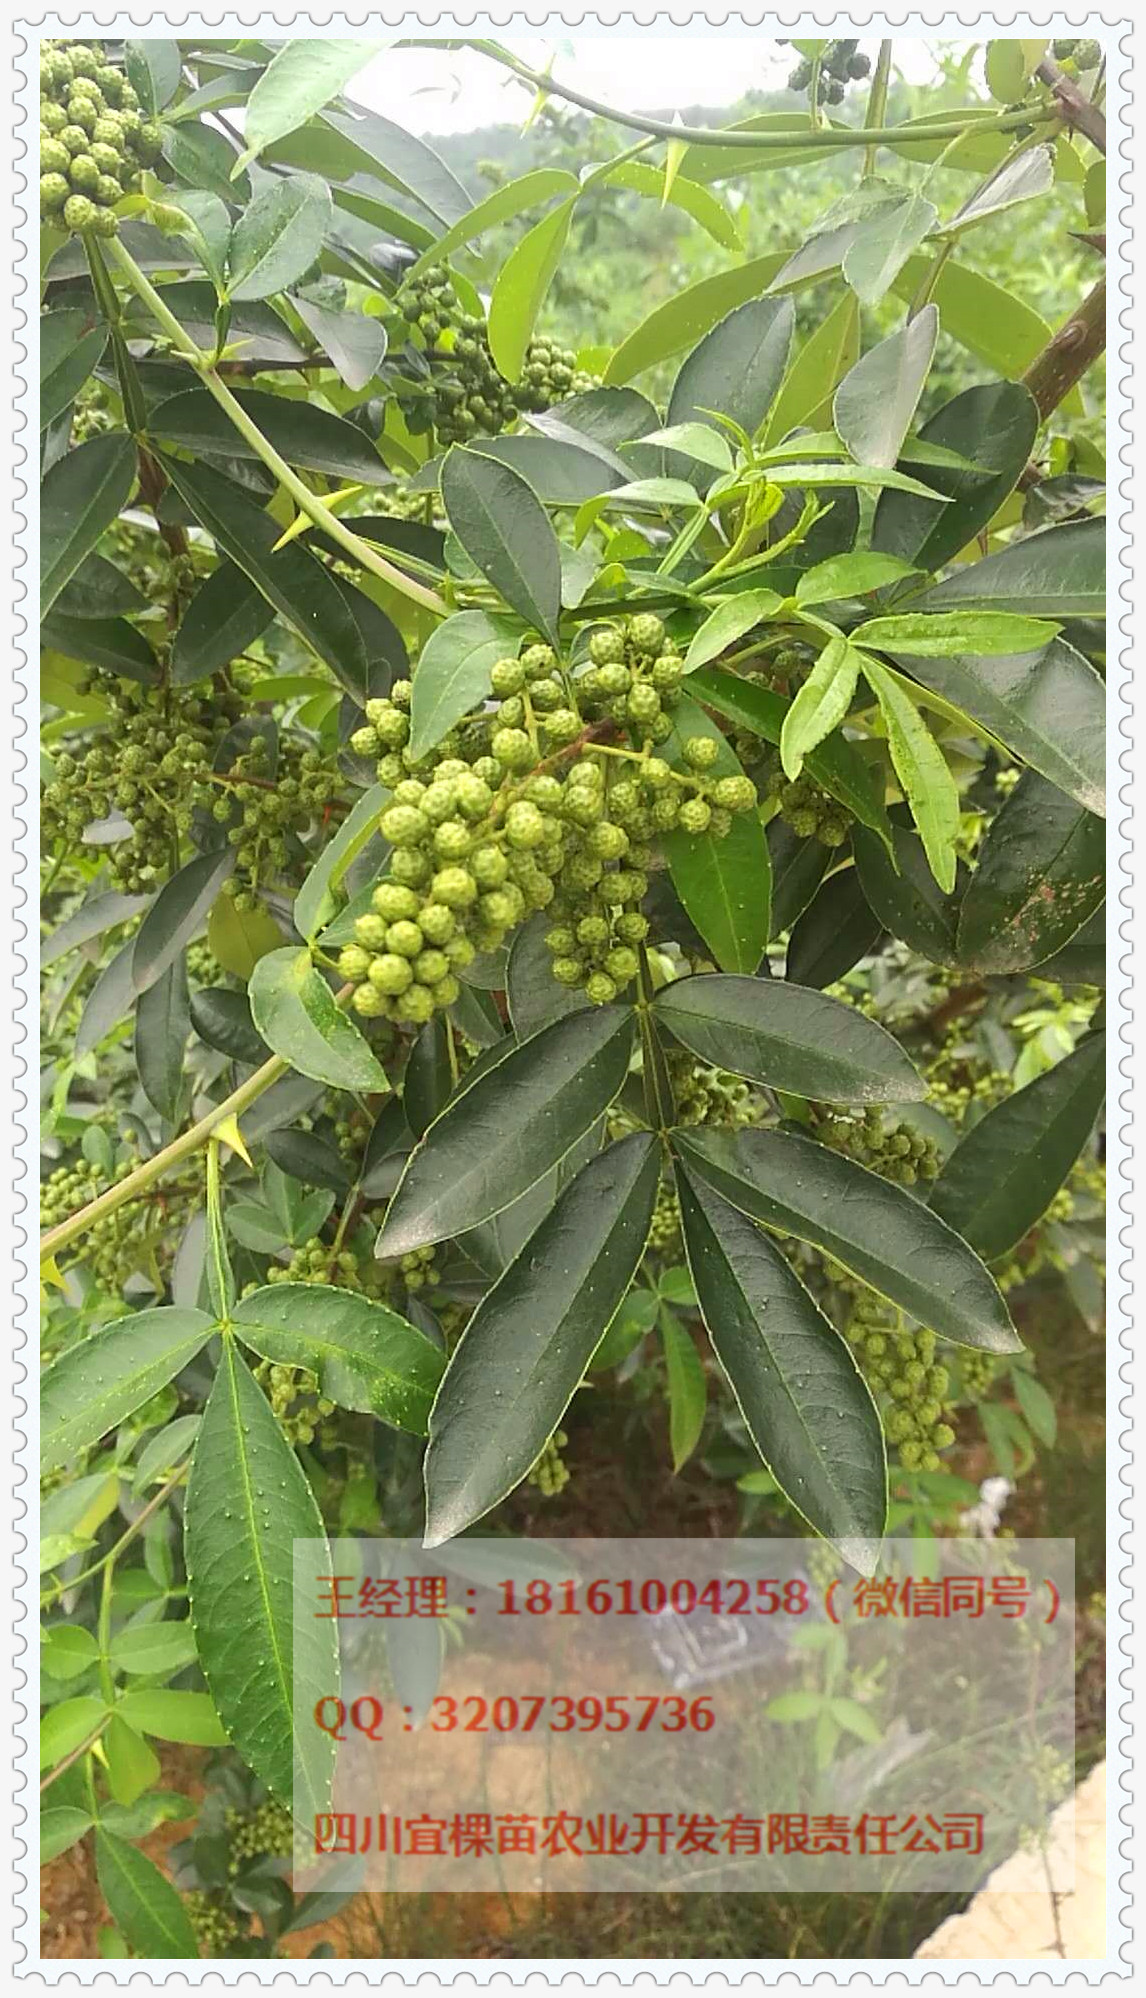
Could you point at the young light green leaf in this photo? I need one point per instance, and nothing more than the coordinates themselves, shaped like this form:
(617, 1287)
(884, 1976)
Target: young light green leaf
(189, 1718)
(922, 770)
(365, 1355)
(882, 243)
(453, 673)
(697, 201)
(247, 1504)
(505, 530)
(1041, 874)
(805, 396)
(141, 1901)
(279, 237)
(820, 705)
(808, 1409)
(301, 432)
(528, 1344)
(688, 315)
(889, 1240)
(950, 634)
(162, 1024)
(788, 1038)
(505, 204)
(698, 440)
(687, 1387)
(849, 576)
(315, 902)
(877, 399)
(93, 1385)
(293, 1009)
(728, 622)
(522, 285)
(505, 1130)
(296, 83)
(1003, 1175)
(82, 494)
(154, 1647)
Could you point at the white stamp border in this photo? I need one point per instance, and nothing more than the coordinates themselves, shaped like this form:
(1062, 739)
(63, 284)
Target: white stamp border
(1125, 39)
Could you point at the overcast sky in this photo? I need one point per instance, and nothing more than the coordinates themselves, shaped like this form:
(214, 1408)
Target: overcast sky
(438, 90)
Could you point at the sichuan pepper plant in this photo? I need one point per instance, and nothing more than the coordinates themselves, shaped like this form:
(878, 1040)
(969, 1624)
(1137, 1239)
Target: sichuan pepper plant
(465, 774)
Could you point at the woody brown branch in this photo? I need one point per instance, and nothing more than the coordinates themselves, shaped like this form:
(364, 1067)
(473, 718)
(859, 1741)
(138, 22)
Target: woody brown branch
(1064, 360)
(1078, 110)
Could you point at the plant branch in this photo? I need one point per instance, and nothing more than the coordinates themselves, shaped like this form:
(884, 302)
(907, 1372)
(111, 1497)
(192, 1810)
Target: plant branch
(702, 135)
(1076, 109)
(152, 1169)
(307, 502)
(1069, 353)
(877, 102)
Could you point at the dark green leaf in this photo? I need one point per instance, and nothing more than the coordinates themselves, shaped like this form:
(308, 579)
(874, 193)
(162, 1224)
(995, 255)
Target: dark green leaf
(61, 1828)
(82, 494)
(798, 867)
(94, 919)
(878, 1231)
(95, 1384)
(265, 337)
(687, 1388)
(723, 884)
(788, 1038)
(526, 1348)
(428, 1079)
(247, 1504)
(405, 161)
(834, 932)
(808, 1409)
(279, 236)
(109, 1002)
(109, 642)
(505, 530)
(366, 1356)
(1083, 960)
(222, 1018)
(310, 1159)
(453, 674)
(506, 1130)
(1003, 1175)
(561, 472)
(1041, 874)
(737, 368)
(301, 432)
(204, 158)
(293, 581)
(153, 70)
(905, 896)
(177, 914)
(354, 342)
(877, 399)
(226, 615)
(1058, 573)
(140, 1899)
(293, 1009)
(70, 347)
(994, 427)
(1047, 706)
(534, 997)
(99, 590)
(162, 1024)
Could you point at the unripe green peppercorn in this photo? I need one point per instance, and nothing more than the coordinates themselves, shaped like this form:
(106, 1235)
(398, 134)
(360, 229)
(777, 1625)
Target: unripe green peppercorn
(390, 973)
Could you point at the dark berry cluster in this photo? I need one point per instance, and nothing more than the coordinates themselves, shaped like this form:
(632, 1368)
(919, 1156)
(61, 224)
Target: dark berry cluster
(811, 811)
(528, 805)
(469, 396)
(892, 1150)
(839, 65)
(93, 141)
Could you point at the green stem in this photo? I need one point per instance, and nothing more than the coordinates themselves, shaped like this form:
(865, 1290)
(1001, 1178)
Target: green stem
(307, 502)
(877, 103)
(152, 1169)
(113, 1553)
(702, 135)
(103, 1630)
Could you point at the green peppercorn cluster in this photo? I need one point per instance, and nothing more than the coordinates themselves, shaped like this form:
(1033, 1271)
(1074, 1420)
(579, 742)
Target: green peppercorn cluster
(839, 66)
(912, 1388)
(523, 807)
(265, 1832)
(93, 141)
(550, 1473)
(811, 811)
(469, 394)
(216, 1925)
(116, 1246)
(664, 1231)
(316, 1261)
(153, 764)
(296, 1404)
(894, 1151)
(710, 1095)
(1080, 55)
(977, 1373)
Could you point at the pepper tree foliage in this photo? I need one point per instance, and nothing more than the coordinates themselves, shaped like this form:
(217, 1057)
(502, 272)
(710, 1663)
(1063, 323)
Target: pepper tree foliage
(465, 772)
